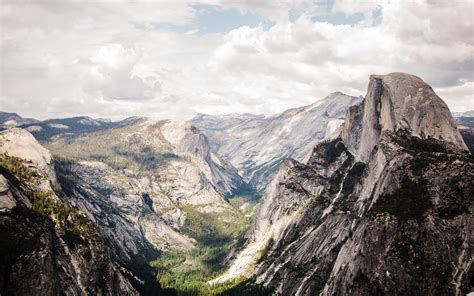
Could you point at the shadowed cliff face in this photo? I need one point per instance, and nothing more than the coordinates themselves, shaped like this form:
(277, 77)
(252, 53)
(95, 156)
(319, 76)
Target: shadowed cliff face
(48, 248)
(383, 209)
(136, 180)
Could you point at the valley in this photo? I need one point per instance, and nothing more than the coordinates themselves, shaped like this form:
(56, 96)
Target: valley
(236, 148)
(162, 197)
(169, 196)
(335, 198)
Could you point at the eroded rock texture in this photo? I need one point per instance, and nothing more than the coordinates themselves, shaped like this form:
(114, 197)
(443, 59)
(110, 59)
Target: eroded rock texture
(384, 209)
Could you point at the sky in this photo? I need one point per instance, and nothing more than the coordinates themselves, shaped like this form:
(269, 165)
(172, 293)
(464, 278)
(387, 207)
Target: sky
(175, 58)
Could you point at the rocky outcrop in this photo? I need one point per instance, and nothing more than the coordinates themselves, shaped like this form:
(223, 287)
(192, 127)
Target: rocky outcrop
(47, 247)
(394, 102)
(385, 209)
(21, 144)
(191, 144)
(257, 145)
(169, 161)
(118, 205)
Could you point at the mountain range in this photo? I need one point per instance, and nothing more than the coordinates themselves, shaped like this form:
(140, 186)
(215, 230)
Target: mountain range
(257, 145)
(381, 205)
(8, 120)
(350, 195)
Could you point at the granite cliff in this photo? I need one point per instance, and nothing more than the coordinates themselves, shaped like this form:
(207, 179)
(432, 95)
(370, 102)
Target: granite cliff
(257, 145)
(48, 247)
(382, 208)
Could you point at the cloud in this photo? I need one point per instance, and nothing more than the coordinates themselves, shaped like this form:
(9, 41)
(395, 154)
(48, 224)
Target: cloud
(459, 97)
(109, 59)
(67, 15)
(112, 74)
(326, 57)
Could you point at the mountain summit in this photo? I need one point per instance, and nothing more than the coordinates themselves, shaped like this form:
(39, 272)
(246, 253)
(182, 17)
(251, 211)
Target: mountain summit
(383, 209)
(395, 102)
(375, 199)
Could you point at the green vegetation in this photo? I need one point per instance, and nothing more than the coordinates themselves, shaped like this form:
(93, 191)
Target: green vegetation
(120, 148)
(188, 271)
(143, 149)
(44, 203)
(410, 201)
(264, 251)
(17, 166)
(74, 223)
(329, 150)
(214, 227)
(216, 233)
(246, 204)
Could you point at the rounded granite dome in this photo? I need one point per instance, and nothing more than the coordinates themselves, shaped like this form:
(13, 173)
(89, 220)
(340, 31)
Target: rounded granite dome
(394, 102)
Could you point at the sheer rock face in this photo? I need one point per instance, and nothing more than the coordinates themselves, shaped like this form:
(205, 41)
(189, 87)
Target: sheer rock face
(46, 247)
(397, 223)
(379, 231)
(257, 145)
(394, 102)
(190, 143)
(118, 207)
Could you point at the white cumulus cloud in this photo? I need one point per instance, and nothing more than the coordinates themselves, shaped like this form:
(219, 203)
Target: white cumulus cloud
(114, 59)
(112, 75)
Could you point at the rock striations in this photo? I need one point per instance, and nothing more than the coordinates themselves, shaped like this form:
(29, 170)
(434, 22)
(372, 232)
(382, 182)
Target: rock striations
(395, 102)
(190, 143)
(257, 145)
(383, 209)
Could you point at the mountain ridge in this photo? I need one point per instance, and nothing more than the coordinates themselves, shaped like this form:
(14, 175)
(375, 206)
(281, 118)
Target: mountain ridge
(377, 185)
(351, 221)
(257, 145)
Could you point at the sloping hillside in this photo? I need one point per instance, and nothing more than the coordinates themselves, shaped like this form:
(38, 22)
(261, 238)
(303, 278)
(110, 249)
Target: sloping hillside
(257, 145)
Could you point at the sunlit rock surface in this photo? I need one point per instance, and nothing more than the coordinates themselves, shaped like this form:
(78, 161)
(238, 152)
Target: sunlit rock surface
(257, 145)
(384, 209)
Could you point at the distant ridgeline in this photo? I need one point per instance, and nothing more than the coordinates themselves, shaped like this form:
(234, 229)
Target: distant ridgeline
(346, 196)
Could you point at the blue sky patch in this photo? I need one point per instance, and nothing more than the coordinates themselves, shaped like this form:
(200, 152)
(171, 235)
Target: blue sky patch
(210, 19)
